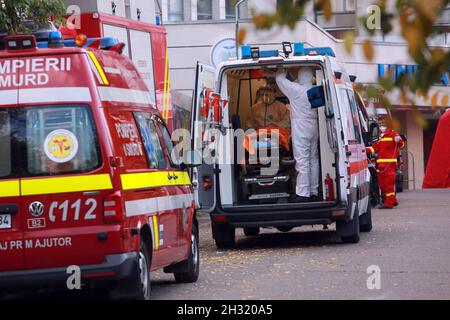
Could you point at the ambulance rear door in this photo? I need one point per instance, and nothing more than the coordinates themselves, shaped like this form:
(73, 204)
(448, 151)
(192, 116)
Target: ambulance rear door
(11, 231)
(204, 176)
(65, 176)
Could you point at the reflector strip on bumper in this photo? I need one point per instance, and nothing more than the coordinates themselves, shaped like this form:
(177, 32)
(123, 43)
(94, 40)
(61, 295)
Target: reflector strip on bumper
(9, 188)
(66, 184)
(154, 179)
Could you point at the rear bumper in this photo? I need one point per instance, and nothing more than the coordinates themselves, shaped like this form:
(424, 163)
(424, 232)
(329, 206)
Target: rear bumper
(116, 268)
(250, 216)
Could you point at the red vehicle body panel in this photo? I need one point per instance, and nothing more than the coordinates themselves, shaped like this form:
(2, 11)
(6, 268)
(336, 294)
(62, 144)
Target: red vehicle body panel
(92, 25)
(73, 218)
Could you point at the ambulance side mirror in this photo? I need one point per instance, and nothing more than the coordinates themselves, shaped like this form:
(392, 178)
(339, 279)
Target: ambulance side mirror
(193, 159)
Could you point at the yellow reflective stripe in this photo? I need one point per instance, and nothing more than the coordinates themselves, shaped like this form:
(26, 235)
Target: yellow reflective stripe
(183, 179)
(9, 188)
(66, 184)
(386, 160)
(390, 194)
(372, 150)
(156, 232)
(153, 179)
(99, 67)
(387, 139)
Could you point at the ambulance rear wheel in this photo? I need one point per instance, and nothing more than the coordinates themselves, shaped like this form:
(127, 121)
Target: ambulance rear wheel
(249, 232)
(365, 221)
(224, 235)
(144, 272)
(193, 262)
(350, 229)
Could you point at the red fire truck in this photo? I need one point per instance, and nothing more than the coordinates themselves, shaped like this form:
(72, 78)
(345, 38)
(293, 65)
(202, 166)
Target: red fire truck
(146, 46)
(86, 173)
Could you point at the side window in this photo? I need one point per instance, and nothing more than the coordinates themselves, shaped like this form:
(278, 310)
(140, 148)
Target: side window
(150, 139)
(168, 143)
(355, 115)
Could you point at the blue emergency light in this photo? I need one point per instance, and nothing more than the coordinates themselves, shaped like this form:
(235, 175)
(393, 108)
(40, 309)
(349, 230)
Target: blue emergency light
(299, 49)
(55, 40)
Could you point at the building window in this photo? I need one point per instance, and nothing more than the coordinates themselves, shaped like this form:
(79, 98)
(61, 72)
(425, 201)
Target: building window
(204, 9)
(175, 10)
(230, 12)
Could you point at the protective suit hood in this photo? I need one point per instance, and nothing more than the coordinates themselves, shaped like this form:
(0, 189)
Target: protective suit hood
(305, 76)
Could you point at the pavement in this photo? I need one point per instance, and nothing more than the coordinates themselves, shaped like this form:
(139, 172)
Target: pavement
(409, 245)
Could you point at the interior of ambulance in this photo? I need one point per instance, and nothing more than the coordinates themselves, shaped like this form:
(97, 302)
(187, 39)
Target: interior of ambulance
(265, 172)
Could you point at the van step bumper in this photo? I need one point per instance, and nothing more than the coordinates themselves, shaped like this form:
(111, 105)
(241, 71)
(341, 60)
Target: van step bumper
(116, 267)
(281, 223)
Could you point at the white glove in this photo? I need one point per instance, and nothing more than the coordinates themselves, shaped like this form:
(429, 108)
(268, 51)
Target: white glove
(397, 139)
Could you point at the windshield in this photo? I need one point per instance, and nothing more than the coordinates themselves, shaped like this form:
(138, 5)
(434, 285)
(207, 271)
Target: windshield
(39, 141)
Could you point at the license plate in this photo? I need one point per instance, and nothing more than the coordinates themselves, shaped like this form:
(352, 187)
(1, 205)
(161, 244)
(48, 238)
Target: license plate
(5, 221)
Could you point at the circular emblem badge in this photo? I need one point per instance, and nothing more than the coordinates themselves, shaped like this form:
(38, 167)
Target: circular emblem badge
(61, 146)
(36, 209)
(223, 50)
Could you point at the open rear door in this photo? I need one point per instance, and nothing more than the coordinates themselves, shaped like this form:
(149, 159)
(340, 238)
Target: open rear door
(203, 177)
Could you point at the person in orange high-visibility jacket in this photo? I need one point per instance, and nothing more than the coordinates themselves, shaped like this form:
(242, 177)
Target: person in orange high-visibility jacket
(387, 149)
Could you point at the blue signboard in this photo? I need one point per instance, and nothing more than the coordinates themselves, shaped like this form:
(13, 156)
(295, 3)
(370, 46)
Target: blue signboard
(395, 70)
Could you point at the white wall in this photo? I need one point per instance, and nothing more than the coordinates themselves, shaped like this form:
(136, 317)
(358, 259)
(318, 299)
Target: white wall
(192, 42)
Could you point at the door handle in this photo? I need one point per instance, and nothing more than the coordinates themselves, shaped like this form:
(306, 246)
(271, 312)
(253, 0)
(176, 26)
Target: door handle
(9, 208)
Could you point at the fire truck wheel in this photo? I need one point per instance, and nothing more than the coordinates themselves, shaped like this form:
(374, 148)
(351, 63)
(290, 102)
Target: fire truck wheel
(365, 221)
(249, 232)
(350, 229)
(193, 262)
(144, 272)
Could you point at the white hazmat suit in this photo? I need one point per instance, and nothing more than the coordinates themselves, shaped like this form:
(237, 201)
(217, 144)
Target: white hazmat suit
(305, 131)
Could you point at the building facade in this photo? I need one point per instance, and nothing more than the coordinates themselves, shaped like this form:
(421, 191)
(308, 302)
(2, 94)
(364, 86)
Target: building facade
(204, 31)
(199, 29)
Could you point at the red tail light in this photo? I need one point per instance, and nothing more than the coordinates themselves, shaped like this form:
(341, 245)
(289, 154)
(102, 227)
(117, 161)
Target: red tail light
(113, 207)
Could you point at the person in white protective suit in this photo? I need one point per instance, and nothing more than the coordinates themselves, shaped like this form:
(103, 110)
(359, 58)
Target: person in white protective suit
(305, 133)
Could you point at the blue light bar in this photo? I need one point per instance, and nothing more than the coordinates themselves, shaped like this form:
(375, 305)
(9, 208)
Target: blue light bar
(107, 42)
(320, 51)
(246, 52)
(299, 49)
(268, 53)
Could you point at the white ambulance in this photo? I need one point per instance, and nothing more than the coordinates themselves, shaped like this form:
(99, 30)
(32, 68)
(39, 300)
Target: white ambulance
(236, 191)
